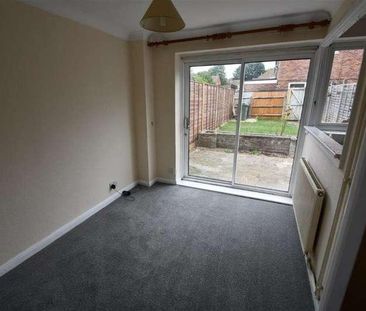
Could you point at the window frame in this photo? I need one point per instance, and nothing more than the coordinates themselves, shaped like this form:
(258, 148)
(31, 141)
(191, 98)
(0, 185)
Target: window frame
(291, 83)
(246, 56)
(324, 83)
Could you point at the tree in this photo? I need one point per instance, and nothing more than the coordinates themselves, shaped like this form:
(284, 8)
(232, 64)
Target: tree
(206, 76)
(253, 70)
(219, 71)
(236, 73)
(203, 77)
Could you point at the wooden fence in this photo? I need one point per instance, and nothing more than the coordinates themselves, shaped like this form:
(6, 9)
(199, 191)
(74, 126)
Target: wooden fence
(267, 104)
(210, 106)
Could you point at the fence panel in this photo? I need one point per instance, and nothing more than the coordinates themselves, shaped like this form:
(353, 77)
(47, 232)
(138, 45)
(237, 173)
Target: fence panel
(209, 107)
(339, 103)
(267, 104)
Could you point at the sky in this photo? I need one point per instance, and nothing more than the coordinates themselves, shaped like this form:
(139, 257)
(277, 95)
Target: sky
(229, 69)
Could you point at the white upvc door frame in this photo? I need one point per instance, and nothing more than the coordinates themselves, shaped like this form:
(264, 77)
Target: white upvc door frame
(352, 14)
(262, 55)
(327, 58)
(350, 230)
(186, 116)
(323, 86)
(238, 118)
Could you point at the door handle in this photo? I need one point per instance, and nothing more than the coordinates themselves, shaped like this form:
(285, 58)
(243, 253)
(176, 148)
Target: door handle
(186, 123)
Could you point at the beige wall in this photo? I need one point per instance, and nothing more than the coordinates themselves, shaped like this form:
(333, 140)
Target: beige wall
(65, 122)
(150, 111)
(165, 76)
(139, 109)
(143, 99)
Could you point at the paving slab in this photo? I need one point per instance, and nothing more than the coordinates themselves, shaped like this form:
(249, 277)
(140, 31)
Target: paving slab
(258, 170)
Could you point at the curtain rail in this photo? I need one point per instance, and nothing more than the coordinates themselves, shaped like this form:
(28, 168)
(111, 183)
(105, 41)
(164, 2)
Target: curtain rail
(228, 35)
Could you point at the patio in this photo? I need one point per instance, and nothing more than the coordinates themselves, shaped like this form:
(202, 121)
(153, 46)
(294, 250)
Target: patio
(252, 169)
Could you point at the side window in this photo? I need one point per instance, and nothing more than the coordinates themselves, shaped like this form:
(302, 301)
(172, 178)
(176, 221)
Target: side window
(296, 85)
(342, 85)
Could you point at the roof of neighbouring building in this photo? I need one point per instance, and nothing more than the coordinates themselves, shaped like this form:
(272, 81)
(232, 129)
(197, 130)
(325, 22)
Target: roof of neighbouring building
(267, 75)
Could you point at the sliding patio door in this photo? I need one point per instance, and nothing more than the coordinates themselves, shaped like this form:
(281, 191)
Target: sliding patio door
(270, 118)
(212, 95)
(242, 120)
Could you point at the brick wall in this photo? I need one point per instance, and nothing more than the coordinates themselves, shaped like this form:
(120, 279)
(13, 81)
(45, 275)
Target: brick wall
(210, 106)
(265, 144)
(288, 71)
(346, 66)
(345, 69)
(292, 71)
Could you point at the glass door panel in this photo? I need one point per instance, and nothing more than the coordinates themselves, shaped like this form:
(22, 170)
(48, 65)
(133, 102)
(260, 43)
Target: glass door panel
(342, 85)
(213, 98)
(271, 108)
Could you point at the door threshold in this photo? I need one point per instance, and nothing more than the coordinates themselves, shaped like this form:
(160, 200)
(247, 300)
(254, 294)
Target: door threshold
(238, 192)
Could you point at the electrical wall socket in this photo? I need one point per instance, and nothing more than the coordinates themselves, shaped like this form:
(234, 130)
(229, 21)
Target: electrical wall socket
(113, 183)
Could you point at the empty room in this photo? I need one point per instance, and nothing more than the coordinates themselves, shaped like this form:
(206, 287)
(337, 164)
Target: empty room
(182, 155)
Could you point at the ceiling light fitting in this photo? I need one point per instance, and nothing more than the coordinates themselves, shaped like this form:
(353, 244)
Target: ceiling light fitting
(162, 16)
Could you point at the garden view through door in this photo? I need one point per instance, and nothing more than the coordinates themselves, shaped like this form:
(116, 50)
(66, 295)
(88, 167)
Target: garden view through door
(269, 122)
(246, 137)
(212, 95)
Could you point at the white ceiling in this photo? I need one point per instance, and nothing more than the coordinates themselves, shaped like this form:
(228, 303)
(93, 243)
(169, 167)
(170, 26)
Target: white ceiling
(121, 17)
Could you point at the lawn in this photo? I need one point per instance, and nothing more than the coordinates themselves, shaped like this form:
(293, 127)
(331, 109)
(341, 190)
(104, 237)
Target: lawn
(272, 127)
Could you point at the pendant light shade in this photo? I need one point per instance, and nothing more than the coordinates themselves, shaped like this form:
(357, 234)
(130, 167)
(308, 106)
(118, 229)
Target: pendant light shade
(162, 16)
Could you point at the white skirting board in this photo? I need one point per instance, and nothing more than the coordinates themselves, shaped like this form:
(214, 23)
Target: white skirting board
(237, 192)
(35, 248)
(147, 183)
(155, 180)
(165, 181)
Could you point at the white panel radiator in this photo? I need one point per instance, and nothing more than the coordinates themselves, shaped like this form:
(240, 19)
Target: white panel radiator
(308, 200)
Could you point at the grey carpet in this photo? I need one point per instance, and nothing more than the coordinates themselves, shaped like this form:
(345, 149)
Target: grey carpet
(173, 248)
